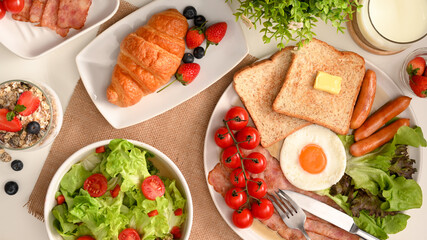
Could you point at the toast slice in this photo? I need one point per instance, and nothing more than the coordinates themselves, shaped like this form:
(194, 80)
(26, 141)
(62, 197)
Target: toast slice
(299, 99)
(257, 85)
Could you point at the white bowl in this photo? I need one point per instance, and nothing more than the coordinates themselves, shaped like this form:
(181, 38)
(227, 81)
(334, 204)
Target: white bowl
(165, 165)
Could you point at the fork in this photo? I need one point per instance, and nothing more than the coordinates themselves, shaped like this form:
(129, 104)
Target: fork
(293, 216)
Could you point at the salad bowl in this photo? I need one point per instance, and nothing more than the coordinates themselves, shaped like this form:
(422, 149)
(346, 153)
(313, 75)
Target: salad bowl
(165, 166)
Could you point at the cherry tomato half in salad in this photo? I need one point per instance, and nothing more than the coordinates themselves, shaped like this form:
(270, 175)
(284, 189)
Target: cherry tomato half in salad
(235, 198)
(248, 138)
(100, 149)
(178, 212)
(230, 158)
(96, 185)
(176, 232)
(2, 10)
(237, 177)
(256, 164)
(60, 199)
(262, 210)
(115, 192)
(236, 118)
(223, 138)
(243, 218)
(14, 6)
(129, 234)
(257, 188)
(153, 187)
(153, 213)
(85, 238)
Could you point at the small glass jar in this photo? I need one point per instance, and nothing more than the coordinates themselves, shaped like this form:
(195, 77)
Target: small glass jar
(404, 76)
(49, 115)
(392, 25)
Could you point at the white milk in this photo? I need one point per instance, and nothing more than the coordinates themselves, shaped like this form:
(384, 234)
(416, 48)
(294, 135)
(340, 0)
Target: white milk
(392, 24)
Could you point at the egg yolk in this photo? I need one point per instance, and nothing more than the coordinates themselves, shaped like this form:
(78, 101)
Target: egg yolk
(312, 159)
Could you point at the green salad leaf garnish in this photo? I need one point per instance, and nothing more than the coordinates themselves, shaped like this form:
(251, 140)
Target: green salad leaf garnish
(105, 217)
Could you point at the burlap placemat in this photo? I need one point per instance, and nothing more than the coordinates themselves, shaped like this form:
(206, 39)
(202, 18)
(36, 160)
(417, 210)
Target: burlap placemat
(179, 133)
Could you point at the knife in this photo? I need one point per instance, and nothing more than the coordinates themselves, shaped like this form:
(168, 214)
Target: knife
(328, 213)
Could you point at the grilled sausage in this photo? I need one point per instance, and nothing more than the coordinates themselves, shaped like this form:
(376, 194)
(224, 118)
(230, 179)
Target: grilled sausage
(365, 100)
(377, 139)
(381, 117)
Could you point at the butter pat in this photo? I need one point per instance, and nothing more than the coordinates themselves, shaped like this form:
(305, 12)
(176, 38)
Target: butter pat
(328, 83)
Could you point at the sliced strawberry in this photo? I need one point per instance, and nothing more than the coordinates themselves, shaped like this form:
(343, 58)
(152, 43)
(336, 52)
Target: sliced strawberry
(187, 72)
(418, 84)
(416, 66)
(10, 126)
(30, 102)
(194, 37)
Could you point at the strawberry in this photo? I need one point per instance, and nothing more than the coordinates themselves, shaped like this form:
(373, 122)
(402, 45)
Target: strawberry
(187, 72)
(215, 33)
(419, 85)
(11, 126)
(416, 66)
(29, 101)
(195, 37)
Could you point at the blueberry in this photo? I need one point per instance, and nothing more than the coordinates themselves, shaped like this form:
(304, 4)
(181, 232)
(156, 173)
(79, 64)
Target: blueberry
(33, 127)
(11, 188)
(188, 58)
(17, 165)
(199, 20)
(190, 12)
(199, 52)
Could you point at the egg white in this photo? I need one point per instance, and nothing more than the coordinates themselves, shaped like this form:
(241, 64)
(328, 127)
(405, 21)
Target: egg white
(333, 149)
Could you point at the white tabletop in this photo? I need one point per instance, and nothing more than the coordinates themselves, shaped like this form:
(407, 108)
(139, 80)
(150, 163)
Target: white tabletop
(58, 69)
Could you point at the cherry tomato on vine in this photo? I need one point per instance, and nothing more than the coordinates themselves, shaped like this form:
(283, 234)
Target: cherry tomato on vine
(14, 6)
(248, 138)
(96, 185)
(239, 116)
(257, 164)
(237, 178)
(230, 158)
(2, 10)
(223, 138)
(129, 234)
(85, 238)
(153, 187)
(235, 198)
(243, 218)
(257, 188)
(263, 210)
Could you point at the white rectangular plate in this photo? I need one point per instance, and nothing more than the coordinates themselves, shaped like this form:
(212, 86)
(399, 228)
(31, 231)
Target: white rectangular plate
(97, 60)
(29, 41)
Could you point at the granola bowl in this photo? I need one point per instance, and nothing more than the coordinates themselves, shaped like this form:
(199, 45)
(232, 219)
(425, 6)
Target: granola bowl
(30, 115)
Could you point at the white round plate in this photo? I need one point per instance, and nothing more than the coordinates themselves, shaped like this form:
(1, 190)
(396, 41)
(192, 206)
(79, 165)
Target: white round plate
(386, 90)
(166, 168)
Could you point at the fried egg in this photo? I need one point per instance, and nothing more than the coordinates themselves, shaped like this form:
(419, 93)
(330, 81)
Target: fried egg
(313, 158)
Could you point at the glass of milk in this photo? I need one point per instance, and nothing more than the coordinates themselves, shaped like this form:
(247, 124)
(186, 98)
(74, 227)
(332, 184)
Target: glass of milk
(392, 25)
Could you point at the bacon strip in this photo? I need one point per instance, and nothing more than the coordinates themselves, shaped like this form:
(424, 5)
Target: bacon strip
(274, 178)
(36, 10)
(24, 15)
(73, 13)
(50, 17)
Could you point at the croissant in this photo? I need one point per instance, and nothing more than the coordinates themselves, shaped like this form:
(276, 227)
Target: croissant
(148, 58)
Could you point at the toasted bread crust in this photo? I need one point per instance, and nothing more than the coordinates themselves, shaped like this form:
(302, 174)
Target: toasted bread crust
(298, 98)
(257, 85)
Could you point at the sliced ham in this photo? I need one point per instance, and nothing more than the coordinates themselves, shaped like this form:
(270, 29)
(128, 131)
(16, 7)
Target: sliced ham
(24, 15)
(36, 10)
(274, 178)
(50, 17)
(73, 13)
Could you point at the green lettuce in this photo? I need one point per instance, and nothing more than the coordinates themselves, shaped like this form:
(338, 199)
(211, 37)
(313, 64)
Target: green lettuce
(378, 185)
(105, 217)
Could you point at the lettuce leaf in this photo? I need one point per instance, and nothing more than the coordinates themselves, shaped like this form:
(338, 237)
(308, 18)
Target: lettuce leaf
(374, 191)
